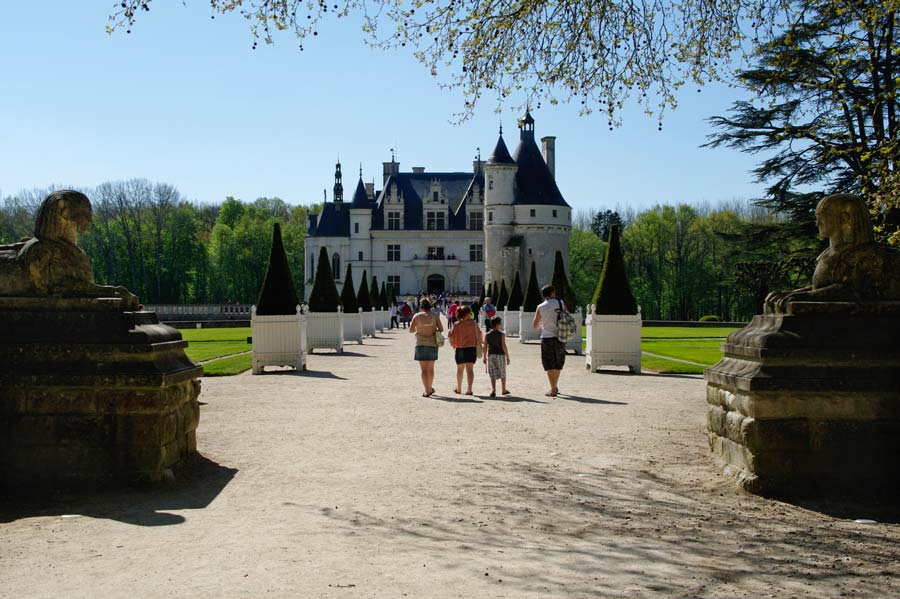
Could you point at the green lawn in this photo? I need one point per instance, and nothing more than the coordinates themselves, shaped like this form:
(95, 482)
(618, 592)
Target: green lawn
(228, 366)
(206, 344)
(703, 351)
(686, 332)
(664, 366)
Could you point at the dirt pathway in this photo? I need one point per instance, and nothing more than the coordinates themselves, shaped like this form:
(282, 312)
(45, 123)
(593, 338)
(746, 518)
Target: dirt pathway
(344, 483)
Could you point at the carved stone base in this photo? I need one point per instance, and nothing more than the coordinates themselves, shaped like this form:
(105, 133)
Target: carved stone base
(90, 393)
(809, 402)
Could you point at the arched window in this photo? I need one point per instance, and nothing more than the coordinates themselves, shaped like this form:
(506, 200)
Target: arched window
(336, 265)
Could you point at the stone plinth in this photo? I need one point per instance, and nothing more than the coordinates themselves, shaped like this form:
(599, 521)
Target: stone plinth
(808, 402)
(90, 393)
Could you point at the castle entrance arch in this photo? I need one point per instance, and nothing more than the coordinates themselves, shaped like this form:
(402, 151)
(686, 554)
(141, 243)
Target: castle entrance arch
(435, 283)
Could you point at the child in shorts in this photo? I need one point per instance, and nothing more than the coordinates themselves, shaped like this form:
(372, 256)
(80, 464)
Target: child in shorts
(496, 355)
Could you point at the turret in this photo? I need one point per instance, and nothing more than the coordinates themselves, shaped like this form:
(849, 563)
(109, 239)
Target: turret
(499, 195)
(360, 224)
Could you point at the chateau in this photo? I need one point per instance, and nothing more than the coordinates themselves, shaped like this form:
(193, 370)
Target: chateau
(449, 231)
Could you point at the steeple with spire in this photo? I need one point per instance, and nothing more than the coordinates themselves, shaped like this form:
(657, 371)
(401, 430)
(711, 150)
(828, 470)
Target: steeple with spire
(338, 184)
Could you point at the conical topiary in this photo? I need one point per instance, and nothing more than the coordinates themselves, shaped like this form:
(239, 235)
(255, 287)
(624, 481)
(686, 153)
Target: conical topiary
(561, 284)
(375, 294)
(516, 297)
(362, 297)
(348, 293)
(533, 293)
(495, 293)
(324, 295)
(483, 295)
(504, 296)
(384, 297)
(613, 294)
(278, 294)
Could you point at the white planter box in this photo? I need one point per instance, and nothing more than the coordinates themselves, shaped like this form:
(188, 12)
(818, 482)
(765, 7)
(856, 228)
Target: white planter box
(574, 343)
(325, 330)
(614, 340)
(278, 340)
(384, 320)
(353, 327)
(526, 331)
(368, 323)
(511, 322)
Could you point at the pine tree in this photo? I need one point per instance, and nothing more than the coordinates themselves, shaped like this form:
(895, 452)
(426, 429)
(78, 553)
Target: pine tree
(613, 294)
(278, 294)
(324, 295)
(561, 284)
(348, 293)
(533, 293)
(504, 296)
(362, 297)
(375, 294)
(516, 297)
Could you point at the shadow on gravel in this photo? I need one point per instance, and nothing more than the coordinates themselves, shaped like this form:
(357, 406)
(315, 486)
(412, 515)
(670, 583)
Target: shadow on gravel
(456, 399)
(194, 488)
(510, 398)
(589, 400)
(627, 532)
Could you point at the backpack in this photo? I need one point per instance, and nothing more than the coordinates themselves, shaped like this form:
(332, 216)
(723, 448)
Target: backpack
(565, 324)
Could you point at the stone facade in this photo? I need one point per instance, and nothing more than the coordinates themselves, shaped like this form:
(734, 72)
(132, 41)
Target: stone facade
(449, 231)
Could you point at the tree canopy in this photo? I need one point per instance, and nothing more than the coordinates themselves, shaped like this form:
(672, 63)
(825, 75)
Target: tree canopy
(596, 53)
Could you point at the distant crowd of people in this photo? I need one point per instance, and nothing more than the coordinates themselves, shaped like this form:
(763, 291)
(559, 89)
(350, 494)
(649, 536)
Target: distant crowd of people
(471, 344)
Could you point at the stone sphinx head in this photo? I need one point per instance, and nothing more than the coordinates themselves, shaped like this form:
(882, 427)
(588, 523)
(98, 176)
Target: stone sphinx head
(63, 215)
(844, 219)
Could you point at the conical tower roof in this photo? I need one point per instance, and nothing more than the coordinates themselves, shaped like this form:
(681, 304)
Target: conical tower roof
(500, 155)
(360, 197)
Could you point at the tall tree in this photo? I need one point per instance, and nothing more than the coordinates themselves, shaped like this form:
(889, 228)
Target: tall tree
(825, 111)
(348, 293)
(533, 291)
(324, 295)
(602, 222)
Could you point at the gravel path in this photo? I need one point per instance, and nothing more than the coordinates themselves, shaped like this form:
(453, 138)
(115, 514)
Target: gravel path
(344, 482)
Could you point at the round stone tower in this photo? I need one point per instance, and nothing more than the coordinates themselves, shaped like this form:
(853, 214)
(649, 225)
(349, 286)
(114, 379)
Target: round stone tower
(501, 257)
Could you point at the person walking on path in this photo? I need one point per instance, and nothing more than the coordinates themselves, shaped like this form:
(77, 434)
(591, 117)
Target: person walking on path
(394, 322)
(496, 356)
(465, 337)
(451, 314)
(553, 351)
(490, 311)
(425, 325)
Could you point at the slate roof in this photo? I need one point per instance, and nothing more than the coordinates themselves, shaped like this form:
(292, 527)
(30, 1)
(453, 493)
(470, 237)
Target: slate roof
(414, 188)
(360, 197)
(500, 155)
(333, 223)
(534, 183)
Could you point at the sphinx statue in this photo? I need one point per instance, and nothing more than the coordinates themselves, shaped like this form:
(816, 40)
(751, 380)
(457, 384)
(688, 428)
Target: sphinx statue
(50, 264)
(854, 268)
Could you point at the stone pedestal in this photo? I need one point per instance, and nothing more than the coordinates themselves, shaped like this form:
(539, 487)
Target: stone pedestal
(90, 393)
(809, 402)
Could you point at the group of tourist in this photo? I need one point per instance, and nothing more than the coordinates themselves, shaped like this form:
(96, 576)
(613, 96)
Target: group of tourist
(470, 344)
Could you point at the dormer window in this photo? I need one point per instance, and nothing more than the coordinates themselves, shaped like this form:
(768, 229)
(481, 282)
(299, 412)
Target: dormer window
(435, 196)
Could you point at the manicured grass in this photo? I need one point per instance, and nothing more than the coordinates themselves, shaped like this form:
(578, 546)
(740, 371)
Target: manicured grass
(207, 350)
(663, 366)
(228, 366)
(686, 332)
(232, 334)
(703, 351)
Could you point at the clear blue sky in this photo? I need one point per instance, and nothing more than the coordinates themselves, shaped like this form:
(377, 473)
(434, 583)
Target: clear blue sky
(184, 99)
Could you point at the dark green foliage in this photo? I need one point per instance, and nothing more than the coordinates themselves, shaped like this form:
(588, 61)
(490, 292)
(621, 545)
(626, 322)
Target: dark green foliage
(278, 295)
(495, 293)
(375, 294)
(324, 295)
(348, 293)
(384, 297)
(484, 293)
(613, 294)
(362, 297)
(533, 292)
(504, 296)
(516, 297)
(561, 284)
(602, 222)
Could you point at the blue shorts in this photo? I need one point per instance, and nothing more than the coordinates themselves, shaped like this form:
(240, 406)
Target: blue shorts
(426, 353)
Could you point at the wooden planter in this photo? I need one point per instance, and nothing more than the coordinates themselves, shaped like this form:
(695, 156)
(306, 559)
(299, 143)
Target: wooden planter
(613, 340)
(511, 323)
(368, 322)
(353, 326)
(325, 330)
(526, 331)
(278, 340)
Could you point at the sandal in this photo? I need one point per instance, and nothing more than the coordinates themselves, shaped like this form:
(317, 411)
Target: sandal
(507, 392)
(469, 393)
(455, 390)
(493, 394)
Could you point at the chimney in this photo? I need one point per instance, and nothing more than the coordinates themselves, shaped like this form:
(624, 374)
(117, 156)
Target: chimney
(548, 146)
(477, 166)
(313, 221)
(418, 169)
(370, 190)
(390, 168)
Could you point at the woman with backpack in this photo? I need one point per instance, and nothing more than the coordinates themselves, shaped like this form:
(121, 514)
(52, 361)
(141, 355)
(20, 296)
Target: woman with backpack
(549, 316)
